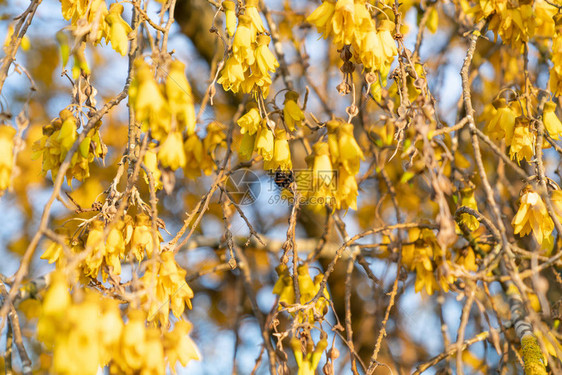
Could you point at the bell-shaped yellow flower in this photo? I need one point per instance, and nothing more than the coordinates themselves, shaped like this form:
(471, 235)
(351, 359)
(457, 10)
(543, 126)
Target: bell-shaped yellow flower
(250, 122)
(292, 113)
(281, 153)
(179, 346)
(387, 41)
(232, 75)
(502, 123)
(171, 152)
(7, 134)
(230, 14)
(346, 194)
(242, 48)
(551, 121)
(265, 142)
(119, 29)
(532, 216)
(180, 96)
(148, 102)
(522, 143)
(265, 60)
(253, 13)
(324, 178)
(350, 153)
(321, 17)
(343, 26)
(151, 163)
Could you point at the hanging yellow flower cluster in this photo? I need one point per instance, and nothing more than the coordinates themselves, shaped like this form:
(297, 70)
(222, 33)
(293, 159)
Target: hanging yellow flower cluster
(308, 288)
(167, 111)
(7, 134)
(349, 22)
(508, 122)
(127, 239)
(164, 288)
(57, 140)
(532, 216)
(103, 24)
(258, 137)
(85, 332)
(250, 62)
(345, 155)
(513, 21)
(424, 256)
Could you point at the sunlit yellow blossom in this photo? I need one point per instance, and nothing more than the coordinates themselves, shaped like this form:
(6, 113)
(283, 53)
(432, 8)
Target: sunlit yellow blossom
(230, 14)
(349, 151)
(242, 47)
(265, 60)
(265, 142)
(148, 102)
(151, 163)
(321, 17)
(179, 346)
(232, 75)
(342, 24)
(292, 113)
(522, 144)
(502, 123)
(250, 122)
(119, 29)
(551, 122)
(252, 12)
(180, 97)
(171, 153)
(141, 240)
(532, 216)
(7, 134)
(281, 153)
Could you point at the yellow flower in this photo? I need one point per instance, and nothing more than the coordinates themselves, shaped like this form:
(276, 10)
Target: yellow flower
(292, 113)
(265, 60)
(141, 240)
(264, 142)
(387, 41)
(151, 163)
(230, 15)
(551, 121)
(232, 75)
(180, 96)
(323, 175)
(171, 152)
(147, 100)
(67, 134)
(281, 153)
(242, 48)
(179, 346)
(502, 123)
(522, 144)
(7, 134)
(246, 148)
(250, 122)
(532, 216)
(195, 155)
(350, 153)
(95, 247)
(119, 29)
(321, 17)
(252, 12)
(342, 23)
(346, 194)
